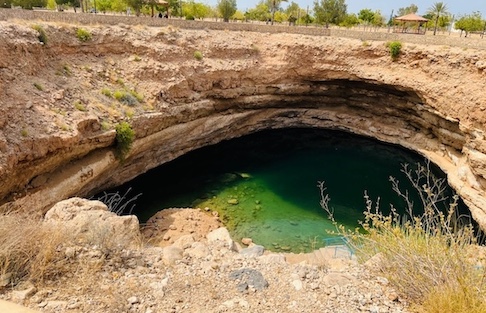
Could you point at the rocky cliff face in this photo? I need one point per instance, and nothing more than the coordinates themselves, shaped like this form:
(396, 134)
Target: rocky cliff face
(59, 103)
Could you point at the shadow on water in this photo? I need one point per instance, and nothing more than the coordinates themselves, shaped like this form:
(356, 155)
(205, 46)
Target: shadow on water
(264, 185)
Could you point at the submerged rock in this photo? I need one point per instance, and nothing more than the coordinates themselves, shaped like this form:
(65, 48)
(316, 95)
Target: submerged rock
(233, 201)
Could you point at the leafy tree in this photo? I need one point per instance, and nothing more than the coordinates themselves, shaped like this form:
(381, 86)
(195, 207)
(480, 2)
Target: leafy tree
(330, 11)
(238, 16)
(437, 10)
(470, 23)
(51, 4)
(118, 5)
(136, 5)
(378, 19)
(280, 17)
(408, 10)
(307, 19)
(195, 9)
(29, 4)
(350, 20)
(366, 15)
(226, 8)
(259, 13)
(101, 5)
(295, 12)
(174, 7)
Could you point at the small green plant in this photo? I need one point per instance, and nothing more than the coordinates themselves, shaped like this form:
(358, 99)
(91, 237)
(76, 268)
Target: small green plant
(137, 58)
(83, 35)
(24, 132)
(366, 43)
(125, 97)
(137, 96)
(38, 86)
(395, 48)
(42, 36)
(129, 113)
(120, 82)
(106, 92)
(64, 71)
(105, 125)
(190, 17)
(198, 55)
(78, 105)
(124, 139)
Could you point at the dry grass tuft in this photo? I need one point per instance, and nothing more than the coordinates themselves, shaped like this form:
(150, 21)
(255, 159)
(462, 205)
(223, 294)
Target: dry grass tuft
(40, 252)
(29, 250)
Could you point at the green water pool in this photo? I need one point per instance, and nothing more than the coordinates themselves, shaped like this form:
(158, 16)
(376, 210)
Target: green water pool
(264, 185)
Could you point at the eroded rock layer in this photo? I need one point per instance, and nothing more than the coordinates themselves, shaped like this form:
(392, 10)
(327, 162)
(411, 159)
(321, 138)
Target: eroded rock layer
(60, 101)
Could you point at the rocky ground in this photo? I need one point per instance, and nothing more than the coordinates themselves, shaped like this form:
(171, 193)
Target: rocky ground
(188, 272)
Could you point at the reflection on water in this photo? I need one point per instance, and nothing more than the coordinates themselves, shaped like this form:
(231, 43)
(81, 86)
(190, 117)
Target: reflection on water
(264, 185)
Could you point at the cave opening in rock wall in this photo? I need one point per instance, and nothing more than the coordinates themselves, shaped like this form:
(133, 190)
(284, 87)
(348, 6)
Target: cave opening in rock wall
(264, 185)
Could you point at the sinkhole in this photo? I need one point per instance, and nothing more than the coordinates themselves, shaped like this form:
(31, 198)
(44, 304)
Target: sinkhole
(264, 185)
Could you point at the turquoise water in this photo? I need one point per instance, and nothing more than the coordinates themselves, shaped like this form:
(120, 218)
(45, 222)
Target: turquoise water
(264, 185)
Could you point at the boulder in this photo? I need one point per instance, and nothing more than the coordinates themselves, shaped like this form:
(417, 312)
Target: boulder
(198, 250)
(253, 251)
(221, 235)
(91, 222)
(248, 277)
(184, 242)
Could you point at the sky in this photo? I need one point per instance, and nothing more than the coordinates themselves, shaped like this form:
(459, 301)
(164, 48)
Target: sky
(456, 7)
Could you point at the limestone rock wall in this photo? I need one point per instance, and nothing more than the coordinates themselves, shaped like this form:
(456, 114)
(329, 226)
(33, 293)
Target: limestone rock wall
(58, 110)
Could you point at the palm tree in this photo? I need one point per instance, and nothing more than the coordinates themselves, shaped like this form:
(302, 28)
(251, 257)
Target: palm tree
(437, 10)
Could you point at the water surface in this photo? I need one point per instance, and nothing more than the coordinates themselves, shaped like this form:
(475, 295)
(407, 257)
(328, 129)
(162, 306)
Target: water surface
(264, 185)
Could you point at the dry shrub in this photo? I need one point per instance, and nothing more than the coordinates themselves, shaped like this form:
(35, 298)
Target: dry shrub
(426, 257)
(29, 250)
(37, 251)
(442, 300)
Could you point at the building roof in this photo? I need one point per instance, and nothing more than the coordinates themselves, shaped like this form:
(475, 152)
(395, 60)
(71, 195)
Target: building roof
(411, 18)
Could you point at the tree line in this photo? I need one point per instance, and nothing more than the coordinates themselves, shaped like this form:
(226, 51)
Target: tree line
(323, 12)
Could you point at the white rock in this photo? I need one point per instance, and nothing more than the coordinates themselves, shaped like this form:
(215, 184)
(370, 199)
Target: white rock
(198, 250)
(171, 255)
(184, 242)
(274, 258)
(23, 294)
(91, 221)
(246, 241)
(221, 235)
(297, 283)
(133, 300)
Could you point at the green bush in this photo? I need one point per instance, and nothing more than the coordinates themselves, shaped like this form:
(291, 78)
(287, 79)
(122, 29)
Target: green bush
(78, 105)
(190, 17)
(83, 35)
(126, 97)
(38, 86)
(198, 55)
(137, 96)
(431, 258)
(106, 92)
(42, 33)
(124, 139)
(395, 48)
